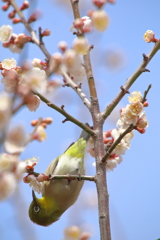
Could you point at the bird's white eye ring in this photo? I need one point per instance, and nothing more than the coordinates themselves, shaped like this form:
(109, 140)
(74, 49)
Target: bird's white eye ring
(36, 208)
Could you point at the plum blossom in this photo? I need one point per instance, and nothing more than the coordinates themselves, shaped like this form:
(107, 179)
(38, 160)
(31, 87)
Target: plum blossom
(5, 33)
(85, 24)
(5, 110)
(100, 20)
(8, 184)
(149, 36)
(9, 63)
(16, 140)
(10, 81)
(36, 79)
(34, 183)
(32, 102)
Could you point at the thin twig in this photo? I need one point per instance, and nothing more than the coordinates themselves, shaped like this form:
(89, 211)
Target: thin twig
(64, 113)
(131, 80)
(145, 93)
(77, 89)
(108, 153)
(31, 31)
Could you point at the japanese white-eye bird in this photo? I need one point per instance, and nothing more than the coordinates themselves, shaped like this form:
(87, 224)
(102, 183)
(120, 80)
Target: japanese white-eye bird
(58, 195)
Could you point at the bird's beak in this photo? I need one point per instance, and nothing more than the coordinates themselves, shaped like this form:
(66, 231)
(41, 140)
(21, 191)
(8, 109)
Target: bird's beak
(34, 196)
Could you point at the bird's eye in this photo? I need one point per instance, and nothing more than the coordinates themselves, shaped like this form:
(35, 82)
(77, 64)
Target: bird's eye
(36, 208)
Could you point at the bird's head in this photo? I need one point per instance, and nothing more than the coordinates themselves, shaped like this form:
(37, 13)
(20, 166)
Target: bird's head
(43, 211)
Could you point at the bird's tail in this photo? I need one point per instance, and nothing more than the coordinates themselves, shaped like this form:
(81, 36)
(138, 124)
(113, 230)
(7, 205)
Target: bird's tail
(84, 134)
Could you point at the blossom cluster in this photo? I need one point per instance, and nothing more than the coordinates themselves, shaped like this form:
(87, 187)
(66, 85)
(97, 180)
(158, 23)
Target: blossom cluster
(34, 181)
(11, 171)
(133, 114)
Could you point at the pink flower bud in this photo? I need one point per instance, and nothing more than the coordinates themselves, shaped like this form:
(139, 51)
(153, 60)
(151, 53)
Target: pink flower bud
(16, 20)
(34, 123)
(25, 179)
(145, 104)
(48, 120)
(24, 6)
(12, 14)
(42, 177)
(99, 3)
(22, 38)
(34, 16)
(46, 32)
(6, 6)
(140, 130)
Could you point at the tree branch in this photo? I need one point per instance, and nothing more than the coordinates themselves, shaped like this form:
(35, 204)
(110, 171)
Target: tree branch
(131, 80)
(30, 30)
(77, 89)
(108, 153)
(64, 113)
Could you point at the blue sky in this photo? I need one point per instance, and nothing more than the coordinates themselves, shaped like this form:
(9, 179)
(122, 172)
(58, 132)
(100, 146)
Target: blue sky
(134, 185)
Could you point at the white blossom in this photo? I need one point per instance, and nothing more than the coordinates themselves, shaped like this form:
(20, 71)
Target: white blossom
(36, 79)
(33, 102)
(16, 140)
(5, 33)
(34, 183)
(100, 20)
(112, 162)
(9, 63)
(8, 184)
(135, 97)
(148, 36)
(5, 110)
(31, 162)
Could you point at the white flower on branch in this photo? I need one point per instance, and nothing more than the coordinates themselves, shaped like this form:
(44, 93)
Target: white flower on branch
(135, 97)
(80, 45)
(32, 102)
(100, 20)
(8, 184)
(113, 161)
(124, 143)
(31, 162)
(84, 23)
(36, 79)
(149, 36)
(10, 80)
(5, 110)
(16, 140)
(34, 183)
(7, 162)
(9, 63)
(5, 33)
(40, 134)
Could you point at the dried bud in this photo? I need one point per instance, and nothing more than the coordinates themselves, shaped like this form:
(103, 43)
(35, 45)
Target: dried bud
(6, 6)
(16, 20)
(46, 32)
(24, 6)
(12, 14)
(99, 3)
